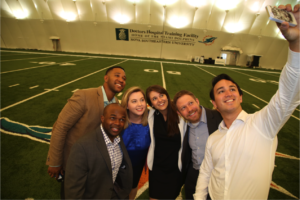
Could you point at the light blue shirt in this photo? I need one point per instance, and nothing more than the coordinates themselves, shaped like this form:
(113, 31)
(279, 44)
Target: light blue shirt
(198, 136)
(105, 100)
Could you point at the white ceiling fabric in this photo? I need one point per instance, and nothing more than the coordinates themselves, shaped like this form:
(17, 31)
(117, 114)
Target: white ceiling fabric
(91, 24)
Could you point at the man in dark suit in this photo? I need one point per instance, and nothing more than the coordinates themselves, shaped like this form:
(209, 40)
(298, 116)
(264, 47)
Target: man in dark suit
(99, 166)
(201, 123)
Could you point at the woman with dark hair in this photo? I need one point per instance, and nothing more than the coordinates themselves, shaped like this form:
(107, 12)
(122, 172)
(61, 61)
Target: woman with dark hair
(136, 134)
(167, 131)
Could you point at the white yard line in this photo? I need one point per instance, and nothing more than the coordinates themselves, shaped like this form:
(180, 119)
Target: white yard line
(75, 90)
(51, 90)
(10, 106)
(30, 58)
(245, 74)
(163, 76)
(249, 93)
(41, 66)
(34, 87)
(120, 94)
(256, 106)
(205, 71)
(14, 85)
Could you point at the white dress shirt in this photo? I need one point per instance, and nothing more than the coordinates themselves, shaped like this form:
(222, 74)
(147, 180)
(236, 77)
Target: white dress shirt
(239, 161)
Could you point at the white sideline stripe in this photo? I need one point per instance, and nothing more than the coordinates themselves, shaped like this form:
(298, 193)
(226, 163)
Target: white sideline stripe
(7, 107)
(120, 94)
(259, 71)
(14, 85)
(10, 55)
(29, 58)
(162, 74)
(33, 87)
(142, 190)
(250, 93)
(256, 106)
(41, 66)
(75, 90)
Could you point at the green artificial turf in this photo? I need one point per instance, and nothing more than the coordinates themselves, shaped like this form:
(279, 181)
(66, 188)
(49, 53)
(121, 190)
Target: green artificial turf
(23, 169)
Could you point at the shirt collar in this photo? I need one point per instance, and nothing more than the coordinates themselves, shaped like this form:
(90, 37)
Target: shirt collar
(106, 138)
(203, 119)
(241, 117)
(105, 97)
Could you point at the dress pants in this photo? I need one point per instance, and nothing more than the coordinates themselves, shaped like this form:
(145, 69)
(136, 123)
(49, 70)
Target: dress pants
(191, 182)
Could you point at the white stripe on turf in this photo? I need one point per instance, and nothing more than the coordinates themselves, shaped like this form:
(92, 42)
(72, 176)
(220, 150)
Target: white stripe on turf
(12, 105)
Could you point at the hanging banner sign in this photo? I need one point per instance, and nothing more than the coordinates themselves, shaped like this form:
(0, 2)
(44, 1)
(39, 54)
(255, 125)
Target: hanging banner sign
(165, 37)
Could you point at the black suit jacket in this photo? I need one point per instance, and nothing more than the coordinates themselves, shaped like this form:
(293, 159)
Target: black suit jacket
(89, 171)
(214, 118)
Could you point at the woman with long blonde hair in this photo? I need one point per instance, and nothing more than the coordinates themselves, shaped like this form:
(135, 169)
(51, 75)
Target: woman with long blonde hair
(136, 135)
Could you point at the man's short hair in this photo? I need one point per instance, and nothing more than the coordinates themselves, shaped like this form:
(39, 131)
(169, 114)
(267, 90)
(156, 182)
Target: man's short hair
(113, 67)
(218, 78)
(180, 94)
(109, 105)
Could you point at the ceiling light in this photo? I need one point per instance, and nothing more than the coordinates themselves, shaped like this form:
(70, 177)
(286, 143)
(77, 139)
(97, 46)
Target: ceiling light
(166, 2)
(20, 14)
(134, 1)
(227, 5)
(178, 22)
(122, 19)
(68, 16)
(233, 27)
(197, 3)
(255, 6)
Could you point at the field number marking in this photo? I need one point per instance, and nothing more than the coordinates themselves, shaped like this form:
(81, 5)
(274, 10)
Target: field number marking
(173, 72)
(151, 70)
(263, 81)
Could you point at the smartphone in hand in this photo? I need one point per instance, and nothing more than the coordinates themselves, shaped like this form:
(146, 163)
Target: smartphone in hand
(279, 15)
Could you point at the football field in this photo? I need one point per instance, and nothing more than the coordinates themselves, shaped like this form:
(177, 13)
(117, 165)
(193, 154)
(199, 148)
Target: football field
(36, 85)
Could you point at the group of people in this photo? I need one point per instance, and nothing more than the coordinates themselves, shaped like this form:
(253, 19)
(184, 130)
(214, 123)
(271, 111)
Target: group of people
(100, 147)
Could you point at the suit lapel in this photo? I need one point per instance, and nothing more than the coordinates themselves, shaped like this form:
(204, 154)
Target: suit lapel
(100, 101)
(101, 145)
(211, 123)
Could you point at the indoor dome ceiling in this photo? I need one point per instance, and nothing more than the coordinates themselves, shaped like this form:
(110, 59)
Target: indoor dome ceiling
(165, 29)
(233, 16)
